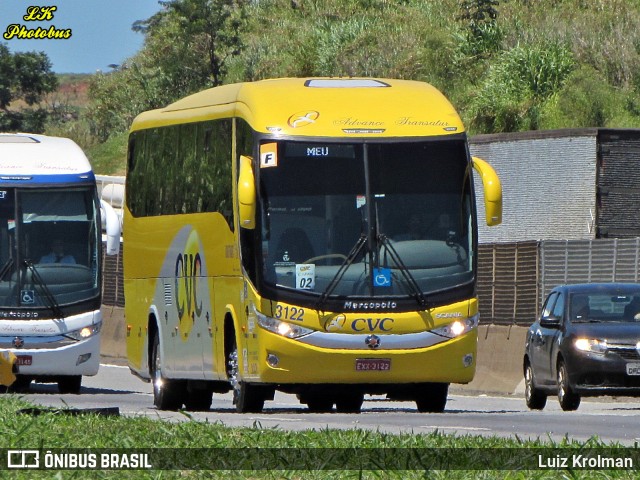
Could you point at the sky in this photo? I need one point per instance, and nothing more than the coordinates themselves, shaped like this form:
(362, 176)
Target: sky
(100, 31)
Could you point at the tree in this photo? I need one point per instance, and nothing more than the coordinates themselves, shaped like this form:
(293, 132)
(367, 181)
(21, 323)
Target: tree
(480, 18)
(214, 26)
(478, 14)
(25, 77)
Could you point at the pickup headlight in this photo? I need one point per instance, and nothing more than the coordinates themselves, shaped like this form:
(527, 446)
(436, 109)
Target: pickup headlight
(459, 327)
(591, 345)
(84, 332)
(288, 330)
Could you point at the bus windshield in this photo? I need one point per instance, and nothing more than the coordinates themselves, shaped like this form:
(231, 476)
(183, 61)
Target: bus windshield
(366, 219)
(49, 248)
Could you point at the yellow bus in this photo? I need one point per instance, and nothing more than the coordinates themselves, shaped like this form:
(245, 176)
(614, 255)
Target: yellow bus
(311, 236)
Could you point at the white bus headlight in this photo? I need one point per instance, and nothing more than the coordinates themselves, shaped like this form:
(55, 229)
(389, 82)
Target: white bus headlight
(84, 332)
(459, 327)
(285, 329)
(591, 345)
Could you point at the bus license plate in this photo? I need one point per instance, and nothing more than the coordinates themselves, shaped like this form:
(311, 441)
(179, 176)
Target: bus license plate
(633, 368)
(23, 360)
(373, 364)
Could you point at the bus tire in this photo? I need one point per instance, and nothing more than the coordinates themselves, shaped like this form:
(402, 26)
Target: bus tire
(198, 400)
(349, 402)
(432, 398)
(246, 397)
(22, 384)
(70, 384)
(320, 404)
(167, 394)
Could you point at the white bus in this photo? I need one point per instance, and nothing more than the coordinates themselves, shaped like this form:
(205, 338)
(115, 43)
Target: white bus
(50, 260)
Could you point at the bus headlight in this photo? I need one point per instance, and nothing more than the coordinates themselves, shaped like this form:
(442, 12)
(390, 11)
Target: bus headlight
(459, 327)
(285, 329)
(84, 332)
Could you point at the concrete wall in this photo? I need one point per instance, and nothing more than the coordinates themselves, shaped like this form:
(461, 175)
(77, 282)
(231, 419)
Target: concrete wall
(499, 363)
(113, 347)
(548, 184)
(499, 367)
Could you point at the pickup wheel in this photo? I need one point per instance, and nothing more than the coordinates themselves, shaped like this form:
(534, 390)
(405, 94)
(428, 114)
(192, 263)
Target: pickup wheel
(536, 399)
(569, 400)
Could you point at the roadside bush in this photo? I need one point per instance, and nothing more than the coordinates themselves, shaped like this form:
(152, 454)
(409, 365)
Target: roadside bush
(587, 100)
(517, 85)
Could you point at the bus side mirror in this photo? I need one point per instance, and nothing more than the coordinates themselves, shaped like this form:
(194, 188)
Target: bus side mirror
(492, 191)
(112, 224)
(246, 194)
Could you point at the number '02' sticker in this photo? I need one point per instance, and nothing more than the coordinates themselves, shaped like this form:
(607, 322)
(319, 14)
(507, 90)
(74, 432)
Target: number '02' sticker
(305, 276)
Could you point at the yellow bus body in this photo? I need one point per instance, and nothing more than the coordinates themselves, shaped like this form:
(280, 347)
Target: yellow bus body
(184, 280)
(270, 106)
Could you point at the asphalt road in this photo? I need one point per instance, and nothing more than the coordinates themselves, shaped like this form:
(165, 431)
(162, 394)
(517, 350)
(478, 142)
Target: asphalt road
(609, 419)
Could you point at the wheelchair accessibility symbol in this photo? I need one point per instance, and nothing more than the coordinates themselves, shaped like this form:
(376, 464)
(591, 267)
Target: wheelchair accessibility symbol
(28, 297)
(381, 277)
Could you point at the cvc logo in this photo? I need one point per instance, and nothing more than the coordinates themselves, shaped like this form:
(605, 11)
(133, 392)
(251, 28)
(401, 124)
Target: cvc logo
(372, 324)
(188, 269)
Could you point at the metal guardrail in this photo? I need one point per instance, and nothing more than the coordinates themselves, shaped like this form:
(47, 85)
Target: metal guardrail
(515, 278)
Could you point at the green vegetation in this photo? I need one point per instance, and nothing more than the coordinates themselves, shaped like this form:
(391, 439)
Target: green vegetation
(507, 65)
(24, 79)
(55, 430)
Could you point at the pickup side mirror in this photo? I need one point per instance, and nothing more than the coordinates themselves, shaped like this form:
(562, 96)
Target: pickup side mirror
(550, 322)
(112, 227)
(246, 194)
(492, 191)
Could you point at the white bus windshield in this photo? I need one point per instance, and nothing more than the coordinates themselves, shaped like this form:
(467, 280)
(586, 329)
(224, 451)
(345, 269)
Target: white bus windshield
(407, 203)
(49, 248)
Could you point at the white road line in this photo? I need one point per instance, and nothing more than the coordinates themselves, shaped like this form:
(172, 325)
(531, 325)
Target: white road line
(113, 366)
(445, 427)
(276, 419)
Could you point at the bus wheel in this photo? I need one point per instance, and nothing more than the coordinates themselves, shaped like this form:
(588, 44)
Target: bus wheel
(320, 404)
(21, 385)
(166, 393)
(246, 397)
(198, 400)
(432, 398)
(349, 403)
(70, 384)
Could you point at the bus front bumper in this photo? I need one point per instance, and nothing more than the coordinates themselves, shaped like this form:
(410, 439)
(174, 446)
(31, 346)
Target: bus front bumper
(80, 358)
(281, 360)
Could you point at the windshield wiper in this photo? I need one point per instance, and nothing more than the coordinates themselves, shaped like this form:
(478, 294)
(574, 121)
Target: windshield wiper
(353, 254)
(51, 300)
(5, 268)
(406, 273)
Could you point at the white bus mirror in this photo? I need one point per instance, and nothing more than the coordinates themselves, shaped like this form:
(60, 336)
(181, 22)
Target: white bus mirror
(492, 191)
(246, 194)
(112, 227)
